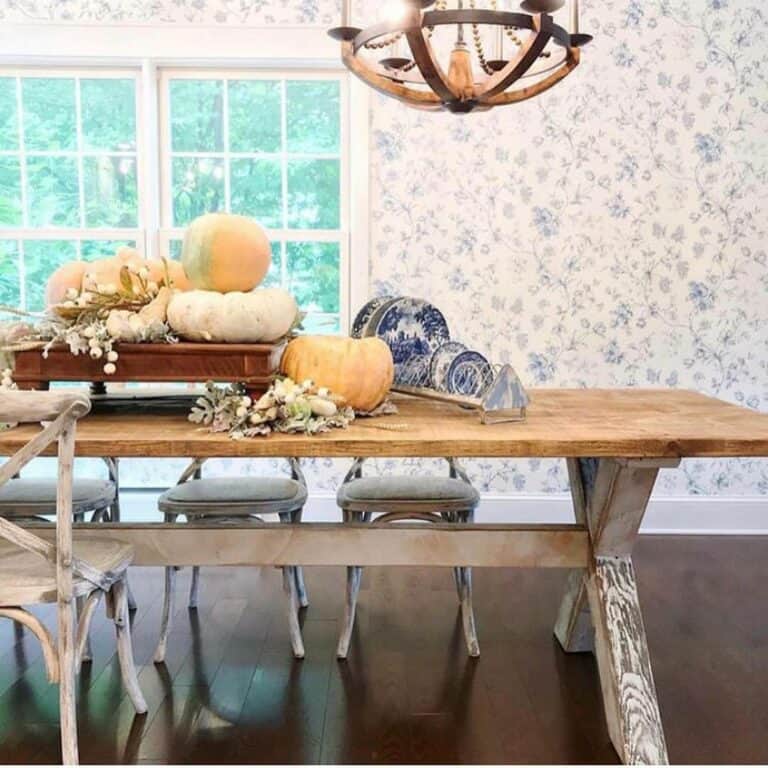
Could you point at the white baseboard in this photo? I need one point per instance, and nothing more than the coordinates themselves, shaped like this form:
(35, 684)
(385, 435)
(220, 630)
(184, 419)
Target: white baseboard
(666, 514)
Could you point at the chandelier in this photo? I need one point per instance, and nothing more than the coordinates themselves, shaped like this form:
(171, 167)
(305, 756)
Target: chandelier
(510, 57)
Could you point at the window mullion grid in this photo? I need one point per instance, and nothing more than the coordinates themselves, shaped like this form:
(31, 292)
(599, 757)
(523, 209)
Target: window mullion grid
(22, 155)
(284, 179)
(225, 140)
(80, 163)
(22, 274)
(24, 201)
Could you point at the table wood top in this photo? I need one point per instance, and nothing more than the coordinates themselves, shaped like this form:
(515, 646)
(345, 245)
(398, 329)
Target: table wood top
(631, 423)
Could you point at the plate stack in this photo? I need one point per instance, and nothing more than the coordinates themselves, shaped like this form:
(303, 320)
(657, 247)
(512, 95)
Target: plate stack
(424, 354)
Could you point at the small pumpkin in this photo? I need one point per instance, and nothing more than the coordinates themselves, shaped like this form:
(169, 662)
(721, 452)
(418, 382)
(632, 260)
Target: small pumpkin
(67, 277)
(107, 271)
(360, 370)
(224, 252)
(263, 315)
(80, 275)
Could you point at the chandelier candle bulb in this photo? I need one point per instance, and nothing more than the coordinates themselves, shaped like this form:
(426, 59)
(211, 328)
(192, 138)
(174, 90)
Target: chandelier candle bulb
(574, 17)
(346, 12)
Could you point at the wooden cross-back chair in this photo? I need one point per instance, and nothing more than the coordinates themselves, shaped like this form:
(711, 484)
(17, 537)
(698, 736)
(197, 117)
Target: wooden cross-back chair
(393, 498)
(34, 570)
(222, 500)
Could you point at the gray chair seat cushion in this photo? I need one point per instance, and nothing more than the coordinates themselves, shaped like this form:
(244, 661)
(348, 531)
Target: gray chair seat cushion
(440, 493)
(39, 495)
(234, 495)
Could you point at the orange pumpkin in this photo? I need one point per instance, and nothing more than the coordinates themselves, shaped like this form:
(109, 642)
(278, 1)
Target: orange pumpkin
(80, 274)
(360, 370)
(223, 252)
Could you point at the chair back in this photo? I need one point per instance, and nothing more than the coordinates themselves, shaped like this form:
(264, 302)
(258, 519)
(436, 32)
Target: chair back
(58, 412)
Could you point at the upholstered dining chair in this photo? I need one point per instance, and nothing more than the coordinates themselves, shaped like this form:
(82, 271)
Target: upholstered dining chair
(221, 500)
(382, 500)
(33, 570)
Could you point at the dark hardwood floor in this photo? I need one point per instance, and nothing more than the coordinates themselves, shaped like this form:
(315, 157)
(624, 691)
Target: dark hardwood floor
(230, 691)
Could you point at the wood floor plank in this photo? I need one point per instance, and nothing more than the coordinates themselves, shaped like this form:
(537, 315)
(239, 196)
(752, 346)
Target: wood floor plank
(231, 691)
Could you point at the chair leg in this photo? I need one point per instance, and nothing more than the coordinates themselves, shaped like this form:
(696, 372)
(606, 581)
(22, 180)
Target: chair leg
(467, 612)
(168, 601)
(295, 517)
(86, 607)
(132, 604)
(457, 578)
(125, 648)
(301, 587)
(165, 625)
(354, 577)
(194, 587)
(289, 582)
(67, 673)
(87, 652)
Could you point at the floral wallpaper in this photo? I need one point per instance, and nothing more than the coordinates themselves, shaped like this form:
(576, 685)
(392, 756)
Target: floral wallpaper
(611, 232)
(256, 12)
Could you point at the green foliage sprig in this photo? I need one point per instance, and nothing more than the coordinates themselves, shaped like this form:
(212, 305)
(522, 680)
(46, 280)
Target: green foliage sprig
(285, 407)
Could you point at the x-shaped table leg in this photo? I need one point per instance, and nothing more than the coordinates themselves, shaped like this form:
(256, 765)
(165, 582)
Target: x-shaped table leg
(600, 609)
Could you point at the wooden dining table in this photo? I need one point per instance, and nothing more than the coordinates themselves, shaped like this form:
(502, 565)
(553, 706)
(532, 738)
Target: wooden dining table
(615, 441)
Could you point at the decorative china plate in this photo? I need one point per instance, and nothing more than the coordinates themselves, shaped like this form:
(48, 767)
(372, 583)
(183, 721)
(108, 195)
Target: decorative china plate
(412, 328)
(469, 374)
(365, 314)
(441, 361)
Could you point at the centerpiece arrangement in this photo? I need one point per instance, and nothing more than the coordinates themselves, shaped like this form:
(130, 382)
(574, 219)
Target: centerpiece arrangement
(203, 319)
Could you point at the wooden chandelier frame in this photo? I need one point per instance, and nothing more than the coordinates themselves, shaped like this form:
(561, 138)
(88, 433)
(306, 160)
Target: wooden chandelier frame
(444, 94)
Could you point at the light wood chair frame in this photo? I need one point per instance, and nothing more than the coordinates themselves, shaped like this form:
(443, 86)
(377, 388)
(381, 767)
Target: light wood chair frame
(395, 511)
(62, 656)
(106, 513)
(293, 576)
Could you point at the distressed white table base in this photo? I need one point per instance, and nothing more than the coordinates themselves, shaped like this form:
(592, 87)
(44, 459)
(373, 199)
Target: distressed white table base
(600, 609)
(610, 498)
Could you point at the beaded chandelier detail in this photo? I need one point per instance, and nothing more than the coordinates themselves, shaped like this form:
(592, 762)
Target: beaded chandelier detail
(505, 47)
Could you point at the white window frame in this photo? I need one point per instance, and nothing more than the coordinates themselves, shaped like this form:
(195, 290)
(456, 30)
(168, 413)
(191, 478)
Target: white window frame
(341, 235)
(76, 235)
(46, 47)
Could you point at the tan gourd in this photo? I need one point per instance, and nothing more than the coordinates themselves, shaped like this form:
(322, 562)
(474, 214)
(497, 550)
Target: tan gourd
(264, 315)
(360, 370)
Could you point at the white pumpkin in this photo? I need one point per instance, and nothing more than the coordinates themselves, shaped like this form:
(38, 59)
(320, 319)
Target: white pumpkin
(263, 315)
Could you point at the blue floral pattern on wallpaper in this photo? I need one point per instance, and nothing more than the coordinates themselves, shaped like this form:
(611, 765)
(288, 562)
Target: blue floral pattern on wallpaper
(615, 226)
(611, 232)
(257, 12)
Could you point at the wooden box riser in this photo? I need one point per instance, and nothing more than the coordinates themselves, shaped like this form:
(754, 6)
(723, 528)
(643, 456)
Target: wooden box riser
(254, 365)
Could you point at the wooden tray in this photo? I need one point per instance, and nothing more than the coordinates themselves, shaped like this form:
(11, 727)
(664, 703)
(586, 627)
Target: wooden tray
(254, 365)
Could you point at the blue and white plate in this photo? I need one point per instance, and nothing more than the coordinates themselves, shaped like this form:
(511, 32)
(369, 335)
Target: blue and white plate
(365, 314)
(412, 328)
(441, 361)
(469, 374)
(373, 320)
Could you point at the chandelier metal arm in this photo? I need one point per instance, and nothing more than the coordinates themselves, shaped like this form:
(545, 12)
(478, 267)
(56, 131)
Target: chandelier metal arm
(521, 94)
(382, 29)
(412, 96)
(422, 82)
(478, 16)
(430, 68)
(519, 65)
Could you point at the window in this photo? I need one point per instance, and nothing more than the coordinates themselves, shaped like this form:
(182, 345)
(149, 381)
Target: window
(76, 183)
(68, 174)
(270, 147)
